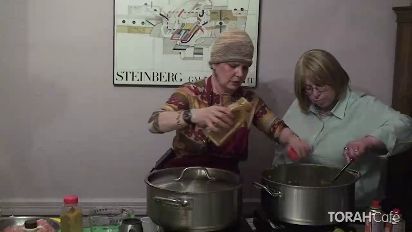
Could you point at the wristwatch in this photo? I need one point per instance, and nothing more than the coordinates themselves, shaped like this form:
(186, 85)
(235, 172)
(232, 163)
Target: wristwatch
(187, 116)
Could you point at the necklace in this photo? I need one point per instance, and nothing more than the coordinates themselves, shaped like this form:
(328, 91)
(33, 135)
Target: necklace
(321, 112)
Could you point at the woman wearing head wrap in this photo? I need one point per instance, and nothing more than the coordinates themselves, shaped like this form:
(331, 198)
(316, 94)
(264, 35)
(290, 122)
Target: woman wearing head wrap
(196, 107)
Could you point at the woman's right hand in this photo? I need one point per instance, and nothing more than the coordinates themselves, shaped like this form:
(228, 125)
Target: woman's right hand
(298, 148)
(212, 117)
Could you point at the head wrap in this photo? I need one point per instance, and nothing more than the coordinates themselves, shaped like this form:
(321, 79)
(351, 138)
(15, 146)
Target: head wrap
(233, 45)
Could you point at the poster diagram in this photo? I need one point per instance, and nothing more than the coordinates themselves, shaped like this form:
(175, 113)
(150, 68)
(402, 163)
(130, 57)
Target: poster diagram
(168, 42)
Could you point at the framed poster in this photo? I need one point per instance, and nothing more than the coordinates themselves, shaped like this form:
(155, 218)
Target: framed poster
(168, 42)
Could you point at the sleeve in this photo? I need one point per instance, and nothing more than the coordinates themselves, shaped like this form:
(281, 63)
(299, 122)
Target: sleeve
(267, 121)
(178, 101)
(280, 152)
(394, 129)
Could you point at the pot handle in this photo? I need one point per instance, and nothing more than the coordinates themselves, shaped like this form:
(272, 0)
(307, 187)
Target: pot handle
(358, 174)
(184, 171)
(172, 201)
(271, 192)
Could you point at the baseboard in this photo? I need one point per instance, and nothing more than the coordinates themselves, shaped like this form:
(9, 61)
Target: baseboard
(52, 207)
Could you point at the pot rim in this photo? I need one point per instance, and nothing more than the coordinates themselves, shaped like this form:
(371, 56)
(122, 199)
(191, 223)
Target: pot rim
(238, 186)
(353, 172)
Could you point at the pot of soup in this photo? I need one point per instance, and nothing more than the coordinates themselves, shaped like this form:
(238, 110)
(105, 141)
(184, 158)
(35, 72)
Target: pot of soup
(302, 193)
(194, 198)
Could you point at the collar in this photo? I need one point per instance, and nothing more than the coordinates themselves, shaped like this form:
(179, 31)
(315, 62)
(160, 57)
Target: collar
(340, 108)
(212, 96)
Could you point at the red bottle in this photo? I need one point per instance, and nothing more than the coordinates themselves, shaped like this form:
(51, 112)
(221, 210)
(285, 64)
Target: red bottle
(374, 223)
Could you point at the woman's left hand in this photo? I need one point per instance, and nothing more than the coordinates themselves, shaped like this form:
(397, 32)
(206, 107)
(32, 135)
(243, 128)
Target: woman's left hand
(354, 149)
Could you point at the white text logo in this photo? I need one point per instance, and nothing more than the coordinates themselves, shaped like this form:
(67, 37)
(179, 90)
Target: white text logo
(364, 217)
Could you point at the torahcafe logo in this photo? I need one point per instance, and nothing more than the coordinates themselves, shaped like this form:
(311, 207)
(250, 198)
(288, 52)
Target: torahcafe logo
(364, 217)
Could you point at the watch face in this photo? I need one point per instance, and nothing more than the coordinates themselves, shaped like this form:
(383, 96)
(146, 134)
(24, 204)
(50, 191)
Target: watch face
(187, 115)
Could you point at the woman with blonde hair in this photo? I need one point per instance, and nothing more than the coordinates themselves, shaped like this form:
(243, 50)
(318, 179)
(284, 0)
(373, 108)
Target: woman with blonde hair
(341, 124)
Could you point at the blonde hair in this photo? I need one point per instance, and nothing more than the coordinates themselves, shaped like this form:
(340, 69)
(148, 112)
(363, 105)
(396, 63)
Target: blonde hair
(322, 69)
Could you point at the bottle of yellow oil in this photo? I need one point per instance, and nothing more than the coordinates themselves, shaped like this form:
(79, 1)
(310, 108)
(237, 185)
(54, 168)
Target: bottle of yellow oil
(71, 218)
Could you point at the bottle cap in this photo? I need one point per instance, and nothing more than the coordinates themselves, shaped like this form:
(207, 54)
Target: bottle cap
(376, 204)
(71, 199)
(396, 211)
(30, 224)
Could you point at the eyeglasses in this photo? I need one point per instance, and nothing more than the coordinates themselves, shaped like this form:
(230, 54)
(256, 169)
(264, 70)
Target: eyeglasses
(309, 89)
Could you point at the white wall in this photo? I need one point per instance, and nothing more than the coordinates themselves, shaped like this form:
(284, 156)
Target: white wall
(66, 130)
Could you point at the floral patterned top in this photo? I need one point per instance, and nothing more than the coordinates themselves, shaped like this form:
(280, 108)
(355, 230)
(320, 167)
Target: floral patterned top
(192, 147)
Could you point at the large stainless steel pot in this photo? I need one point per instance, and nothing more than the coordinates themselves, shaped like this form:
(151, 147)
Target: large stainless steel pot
(301, 193)
(194, 198)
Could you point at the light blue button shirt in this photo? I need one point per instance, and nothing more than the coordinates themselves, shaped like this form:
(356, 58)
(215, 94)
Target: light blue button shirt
(355, 116)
